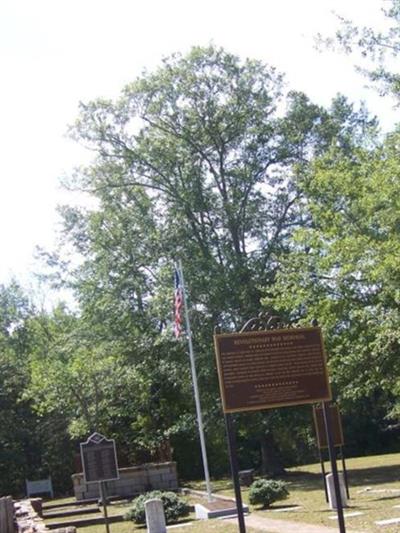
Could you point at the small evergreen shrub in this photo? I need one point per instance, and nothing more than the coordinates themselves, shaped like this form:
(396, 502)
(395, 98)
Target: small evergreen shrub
(267, 491)
(174, 507)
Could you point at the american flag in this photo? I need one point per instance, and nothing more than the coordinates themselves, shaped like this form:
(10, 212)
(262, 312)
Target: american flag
(178, 304)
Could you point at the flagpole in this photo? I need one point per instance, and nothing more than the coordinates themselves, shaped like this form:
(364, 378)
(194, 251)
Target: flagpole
(195, 387)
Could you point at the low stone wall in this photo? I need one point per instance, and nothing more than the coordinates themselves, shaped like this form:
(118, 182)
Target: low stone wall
(132, 481)
(28, 518)
(6, 515)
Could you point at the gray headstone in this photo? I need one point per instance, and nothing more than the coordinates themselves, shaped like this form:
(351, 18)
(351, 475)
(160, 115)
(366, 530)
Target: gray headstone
(331, 490)
(155, 518)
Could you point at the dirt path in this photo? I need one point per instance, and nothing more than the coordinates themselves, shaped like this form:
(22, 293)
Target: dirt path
(272, 525)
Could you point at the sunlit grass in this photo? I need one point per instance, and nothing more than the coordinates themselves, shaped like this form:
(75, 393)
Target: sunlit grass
(374, 490)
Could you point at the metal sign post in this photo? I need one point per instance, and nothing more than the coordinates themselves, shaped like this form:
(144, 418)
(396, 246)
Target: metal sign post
(332, 456)
(99, 462)
(337, 437)
(230, 431)
(321, 460)
(104, 503)
(346, 481)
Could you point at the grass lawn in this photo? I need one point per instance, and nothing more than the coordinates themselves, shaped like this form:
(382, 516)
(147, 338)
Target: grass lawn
(374, 491)
(212, 526)
(374, 484)
(209, 526)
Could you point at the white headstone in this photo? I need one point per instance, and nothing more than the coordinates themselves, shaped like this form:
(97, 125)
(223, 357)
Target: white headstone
(331, 491)
(155, 518)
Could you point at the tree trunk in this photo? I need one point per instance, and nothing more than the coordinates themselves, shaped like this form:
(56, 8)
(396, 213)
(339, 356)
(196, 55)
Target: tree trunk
(271, 463)
(164, 452)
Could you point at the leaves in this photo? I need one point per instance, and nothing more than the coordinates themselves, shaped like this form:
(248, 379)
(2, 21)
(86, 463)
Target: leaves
(377, 47)
(343, 268)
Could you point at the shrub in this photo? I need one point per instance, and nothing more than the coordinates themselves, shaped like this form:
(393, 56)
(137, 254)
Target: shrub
(267, 491)
(174, 507)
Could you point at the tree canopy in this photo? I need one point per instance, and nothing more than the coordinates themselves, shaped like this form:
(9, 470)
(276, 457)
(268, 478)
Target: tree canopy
(199, 160)
(270, 201)
(343, 269)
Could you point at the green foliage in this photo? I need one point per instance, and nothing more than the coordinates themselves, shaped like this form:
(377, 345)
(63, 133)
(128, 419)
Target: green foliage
(193, 161)
(174, 507)
(260, 194)
(343, 269)
(31, 445)
(377, 47)
(202, 159)
(265, 492)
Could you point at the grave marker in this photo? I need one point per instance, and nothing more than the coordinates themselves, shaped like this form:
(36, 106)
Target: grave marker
(155, 517)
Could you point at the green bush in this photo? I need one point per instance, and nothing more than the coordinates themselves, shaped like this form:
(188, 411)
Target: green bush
(267, 491)
(174, 507)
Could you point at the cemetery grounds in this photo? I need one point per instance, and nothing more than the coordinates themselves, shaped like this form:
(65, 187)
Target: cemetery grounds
(374, 484)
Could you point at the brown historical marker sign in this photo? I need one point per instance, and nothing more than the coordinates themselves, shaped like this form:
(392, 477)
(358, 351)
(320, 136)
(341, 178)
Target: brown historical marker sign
(263, 369)
(337, 431)
(99, 459)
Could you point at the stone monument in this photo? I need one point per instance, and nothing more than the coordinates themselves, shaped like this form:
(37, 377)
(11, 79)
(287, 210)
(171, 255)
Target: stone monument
(155, 518)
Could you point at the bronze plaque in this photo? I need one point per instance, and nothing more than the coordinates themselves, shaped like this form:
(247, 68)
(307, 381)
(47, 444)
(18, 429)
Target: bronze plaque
(99, 459)
(263, 369)
(337, 431)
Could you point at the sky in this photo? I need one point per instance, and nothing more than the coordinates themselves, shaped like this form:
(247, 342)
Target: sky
(56, 53)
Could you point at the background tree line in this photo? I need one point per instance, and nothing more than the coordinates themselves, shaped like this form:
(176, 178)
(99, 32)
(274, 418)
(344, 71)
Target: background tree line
(272, 203)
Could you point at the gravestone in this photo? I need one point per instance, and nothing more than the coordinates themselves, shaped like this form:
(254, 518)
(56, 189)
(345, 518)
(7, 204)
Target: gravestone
(331, 491)
(246, 477)
(155, 518)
